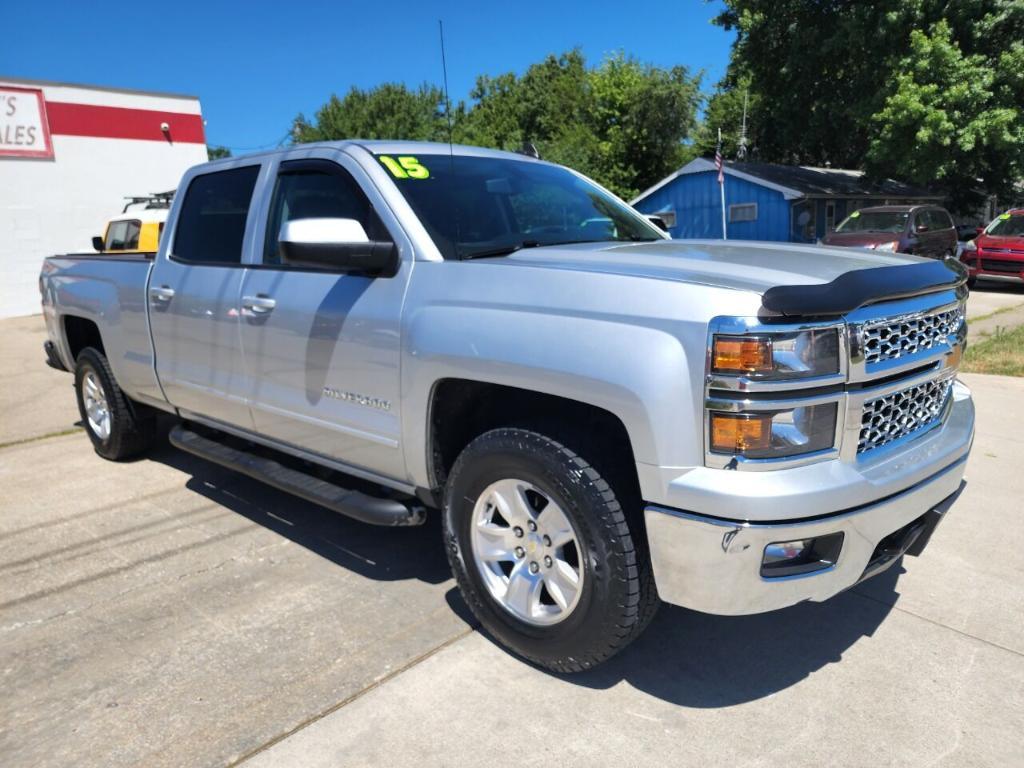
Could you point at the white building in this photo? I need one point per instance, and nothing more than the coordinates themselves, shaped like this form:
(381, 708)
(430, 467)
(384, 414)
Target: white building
(69, 156)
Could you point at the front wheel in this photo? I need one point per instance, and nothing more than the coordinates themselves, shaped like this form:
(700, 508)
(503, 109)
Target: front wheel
(544, 553)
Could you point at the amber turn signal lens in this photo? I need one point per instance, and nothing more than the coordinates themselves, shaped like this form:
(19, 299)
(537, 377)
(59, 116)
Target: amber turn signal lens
(742, 354)
(737, 434)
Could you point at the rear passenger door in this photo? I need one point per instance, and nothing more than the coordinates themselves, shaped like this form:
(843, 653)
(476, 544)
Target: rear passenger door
(194, 297)
(322, 346)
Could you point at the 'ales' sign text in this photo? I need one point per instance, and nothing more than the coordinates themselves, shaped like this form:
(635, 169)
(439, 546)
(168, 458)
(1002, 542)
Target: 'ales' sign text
(24, 131)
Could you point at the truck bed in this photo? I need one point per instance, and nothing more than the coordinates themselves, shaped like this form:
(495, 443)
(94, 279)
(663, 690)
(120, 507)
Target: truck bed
(110, 291)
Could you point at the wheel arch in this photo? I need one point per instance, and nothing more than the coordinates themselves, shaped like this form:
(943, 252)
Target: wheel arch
(79, 333)
(462, 409)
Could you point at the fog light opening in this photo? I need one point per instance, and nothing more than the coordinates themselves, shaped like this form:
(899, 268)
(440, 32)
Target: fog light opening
(801, 556)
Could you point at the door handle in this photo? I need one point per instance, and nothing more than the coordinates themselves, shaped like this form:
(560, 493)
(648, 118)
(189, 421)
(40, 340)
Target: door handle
(164, 293)
(259, 303)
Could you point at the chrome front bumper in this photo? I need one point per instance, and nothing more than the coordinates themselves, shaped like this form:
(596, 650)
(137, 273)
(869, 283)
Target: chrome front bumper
(713, 564)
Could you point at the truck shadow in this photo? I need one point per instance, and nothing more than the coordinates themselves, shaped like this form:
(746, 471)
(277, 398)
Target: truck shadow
(390, 554)
(699, 660)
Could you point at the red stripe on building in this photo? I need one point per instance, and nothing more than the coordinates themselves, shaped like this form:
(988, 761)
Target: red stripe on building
(68, 119)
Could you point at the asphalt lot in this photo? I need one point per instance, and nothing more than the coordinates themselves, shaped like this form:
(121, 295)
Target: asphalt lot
(169, 612)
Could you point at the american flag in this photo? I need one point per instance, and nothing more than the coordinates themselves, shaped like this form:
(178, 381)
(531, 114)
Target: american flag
(718, 161)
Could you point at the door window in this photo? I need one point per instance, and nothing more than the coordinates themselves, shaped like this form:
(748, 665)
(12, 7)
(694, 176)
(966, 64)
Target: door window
(307, 190)
(211, 225)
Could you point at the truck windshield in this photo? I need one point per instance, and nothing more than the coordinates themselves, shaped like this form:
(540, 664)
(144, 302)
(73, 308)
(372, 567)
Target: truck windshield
(874, 221)
(485, 206)
(1007, 225)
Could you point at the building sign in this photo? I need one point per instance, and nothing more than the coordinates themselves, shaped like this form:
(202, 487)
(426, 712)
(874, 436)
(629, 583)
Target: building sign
(24, 130)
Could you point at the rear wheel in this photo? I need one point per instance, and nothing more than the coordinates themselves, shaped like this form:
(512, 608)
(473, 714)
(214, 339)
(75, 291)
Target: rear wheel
(544, 553)
(117, 427)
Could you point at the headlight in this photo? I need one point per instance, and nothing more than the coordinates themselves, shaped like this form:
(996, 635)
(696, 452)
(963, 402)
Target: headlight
(890, 246)
(795, 355)
(970, 245)
(774, 434)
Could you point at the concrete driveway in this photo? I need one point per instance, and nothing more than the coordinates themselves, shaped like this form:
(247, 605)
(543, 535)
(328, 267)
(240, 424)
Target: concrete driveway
(168, 612)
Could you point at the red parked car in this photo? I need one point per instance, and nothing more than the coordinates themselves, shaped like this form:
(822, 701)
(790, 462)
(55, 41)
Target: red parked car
(998, 250)
(924, 230)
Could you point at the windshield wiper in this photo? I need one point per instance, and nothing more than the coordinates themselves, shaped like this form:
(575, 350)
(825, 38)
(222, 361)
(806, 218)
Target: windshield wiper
(503, 250)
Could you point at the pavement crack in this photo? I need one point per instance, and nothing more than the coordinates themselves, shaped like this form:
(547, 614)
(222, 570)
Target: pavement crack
(895, 606)
(357, 695)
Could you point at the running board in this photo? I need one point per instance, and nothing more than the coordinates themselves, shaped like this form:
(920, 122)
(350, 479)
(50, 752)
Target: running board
(354, 504)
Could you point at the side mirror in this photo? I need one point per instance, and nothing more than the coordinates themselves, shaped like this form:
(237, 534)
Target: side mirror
(335, 244)
(97, 243)
(921, 228)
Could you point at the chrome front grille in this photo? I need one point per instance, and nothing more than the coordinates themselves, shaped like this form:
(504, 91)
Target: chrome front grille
(894, 338)
(902, 413)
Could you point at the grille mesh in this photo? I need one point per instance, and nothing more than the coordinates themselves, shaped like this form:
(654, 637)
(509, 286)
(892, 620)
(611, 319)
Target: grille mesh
(891, 417)
(902, 336)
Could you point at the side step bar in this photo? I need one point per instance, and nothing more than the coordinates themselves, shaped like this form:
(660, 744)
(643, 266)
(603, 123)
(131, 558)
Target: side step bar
(354, 504)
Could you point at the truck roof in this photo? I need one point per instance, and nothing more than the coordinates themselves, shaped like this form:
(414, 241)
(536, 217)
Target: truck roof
(393, 147)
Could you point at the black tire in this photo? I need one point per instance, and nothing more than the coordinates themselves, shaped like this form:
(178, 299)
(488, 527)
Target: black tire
(618, 597)
(971, 282)
(132, 429)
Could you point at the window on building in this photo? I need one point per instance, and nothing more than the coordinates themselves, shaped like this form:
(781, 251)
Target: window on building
(742, 212)
(669, 217)
(830, 216)
(211, 225)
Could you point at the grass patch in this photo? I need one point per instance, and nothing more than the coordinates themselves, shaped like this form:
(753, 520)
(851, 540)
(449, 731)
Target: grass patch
(979, 318)
(1001, 353)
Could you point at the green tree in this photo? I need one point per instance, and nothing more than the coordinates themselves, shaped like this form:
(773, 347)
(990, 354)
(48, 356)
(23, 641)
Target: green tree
(216, 153)
(623, 123)
(952, 119)
(389, 111)
(852, 84)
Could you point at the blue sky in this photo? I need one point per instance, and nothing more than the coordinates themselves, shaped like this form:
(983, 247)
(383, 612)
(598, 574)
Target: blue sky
(255, 65)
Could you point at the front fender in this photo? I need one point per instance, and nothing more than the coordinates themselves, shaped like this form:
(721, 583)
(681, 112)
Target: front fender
(640, 374)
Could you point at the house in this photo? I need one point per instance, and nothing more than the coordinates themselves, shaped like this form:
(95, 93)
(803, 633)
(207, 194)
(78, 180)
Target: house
(764, 201)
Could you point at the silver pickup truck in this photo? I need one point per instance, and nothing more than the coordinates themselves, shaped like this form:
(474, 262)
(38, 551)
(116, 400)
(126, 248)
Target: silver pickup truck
(603, 417)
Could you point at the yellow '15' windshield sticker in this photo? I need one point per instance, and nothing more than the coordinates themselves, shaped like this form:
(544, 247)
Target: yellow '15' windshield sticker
(405, 167)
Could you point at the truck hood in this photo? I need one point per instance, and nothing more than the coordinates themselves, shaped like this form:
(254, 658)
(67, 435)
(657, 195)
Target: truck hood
(745, 266)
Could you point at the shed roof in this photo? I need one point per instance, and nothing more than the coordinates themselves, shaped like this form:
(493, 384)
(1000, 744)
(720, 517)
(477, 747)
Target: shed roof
(797, 181)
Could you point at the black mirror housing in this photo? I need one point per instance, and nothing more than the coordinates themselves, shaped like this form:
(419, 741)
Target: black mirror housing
(97, 243)
(375, 258)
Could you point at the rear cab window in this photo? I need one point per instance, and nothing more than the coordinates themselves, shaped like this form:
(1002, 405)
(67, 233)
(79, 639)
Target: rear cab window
(211, 224)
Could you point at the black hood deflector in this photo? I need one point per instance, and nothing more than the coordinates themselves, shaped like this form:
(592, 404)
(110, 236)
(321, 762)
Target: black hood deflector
(863, 286)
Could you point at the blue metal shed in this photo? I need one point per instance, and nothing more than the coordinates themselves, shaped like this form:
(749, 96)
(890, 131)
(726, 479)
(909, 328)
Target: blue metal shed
(764, 201)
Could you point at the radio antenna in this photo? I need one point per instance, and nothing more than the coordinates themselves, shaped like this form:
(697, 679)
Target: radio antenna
(451, 147)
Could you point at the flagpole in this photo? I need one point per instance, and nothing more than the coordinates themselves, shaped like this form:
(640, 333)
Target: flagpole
(721, 184)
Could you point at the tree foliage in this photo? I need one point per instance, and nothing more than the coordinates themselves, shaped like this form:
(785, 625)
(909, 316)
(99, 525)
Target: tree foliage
(929, 91)
(216, 152)
(623, 122)
(389, 111)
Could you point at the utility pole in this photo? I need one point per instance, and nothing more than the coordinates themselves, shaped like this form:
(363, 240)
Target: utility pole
(741, 153)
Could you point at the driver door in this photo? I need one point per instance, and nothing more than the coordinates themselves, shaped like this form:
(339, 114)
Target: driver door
(322, 346)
